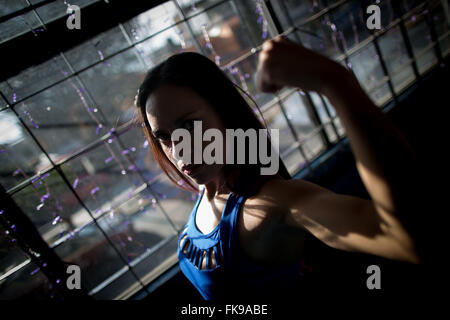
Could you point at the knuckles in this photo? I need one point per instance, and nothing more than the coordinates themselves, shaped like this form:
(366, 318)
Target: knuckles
(268, 45)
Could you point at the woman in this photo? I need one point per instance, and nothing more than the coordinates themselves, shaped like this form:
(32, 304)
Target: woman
(246, 230)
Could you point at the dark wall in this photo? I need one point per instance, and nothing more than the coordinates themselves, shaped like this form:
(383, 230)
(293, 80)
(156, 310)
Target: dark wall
(420, 115)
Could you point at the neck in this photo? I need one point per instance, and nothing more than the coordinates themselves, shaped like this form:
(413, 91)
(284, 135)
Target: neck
(218, 185)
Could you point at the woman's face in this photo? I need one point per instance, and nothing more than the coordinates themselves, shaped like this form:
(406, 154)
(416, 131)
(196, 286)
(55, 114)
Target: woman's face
(171, 107)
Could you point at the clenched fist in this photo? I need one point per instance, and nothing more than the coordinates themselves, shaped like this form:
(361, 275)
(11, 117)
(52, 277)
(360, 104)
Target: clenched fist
(285, 63)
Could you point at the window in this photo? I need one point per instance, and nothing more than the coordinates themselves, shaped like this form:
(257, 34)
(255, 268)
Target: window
(78, 167)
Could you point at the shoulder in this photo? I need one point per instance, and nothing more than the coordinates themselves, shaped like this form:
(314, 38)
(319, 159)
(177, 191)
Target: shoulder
(263, 231)
(286, 191)
(280, 195)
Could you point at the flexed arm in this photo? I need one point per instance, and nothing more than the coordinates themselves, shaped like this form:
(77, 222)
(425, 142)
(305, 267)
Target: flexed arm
(384, 159)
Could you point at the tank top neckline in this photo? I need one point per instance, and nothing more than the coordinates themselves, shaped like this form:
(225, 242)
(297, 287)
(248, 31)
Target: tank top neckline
(196, 229)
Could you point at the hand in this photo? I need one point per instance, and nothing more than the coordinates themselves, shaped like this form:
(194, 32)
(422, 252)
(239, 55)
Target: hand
(285, 63)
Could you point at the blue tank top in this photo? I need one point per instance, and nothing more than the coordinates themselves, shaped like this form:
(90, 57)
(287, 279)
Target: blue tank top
(234, 272)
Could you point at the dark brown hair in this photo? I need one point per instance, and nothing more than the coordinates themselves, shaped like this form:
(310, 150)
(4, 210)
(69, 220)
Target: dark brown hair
(200, 74)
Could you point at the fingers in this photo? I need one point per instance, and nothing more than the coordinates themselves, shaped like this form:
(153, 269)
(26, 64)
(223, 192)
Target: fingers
(267, 45)
(281, 38)
(267, 74)
(264, 82)
(266, 86)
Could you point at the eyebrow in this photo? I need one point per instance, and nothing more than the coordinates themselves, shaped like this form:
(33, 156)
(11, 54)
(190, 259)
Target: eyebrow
(177, 123)
(183, 117)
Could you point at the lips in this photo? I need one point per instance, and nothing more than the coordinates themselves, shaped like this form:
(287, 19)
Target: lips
(190, 169)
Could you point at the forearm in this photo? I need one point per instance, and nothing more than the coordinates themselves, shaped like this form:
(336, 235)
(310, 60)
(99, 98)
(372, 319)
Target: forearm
(384, 158)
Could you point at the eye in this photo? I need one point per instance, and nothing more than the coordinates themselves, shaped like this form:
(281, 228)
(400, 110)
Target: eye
(162, 137)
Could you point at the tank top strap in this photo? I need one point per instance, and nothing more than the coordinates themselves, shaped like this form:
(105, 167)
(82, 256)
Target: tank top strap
(190, 220)
(228, 225)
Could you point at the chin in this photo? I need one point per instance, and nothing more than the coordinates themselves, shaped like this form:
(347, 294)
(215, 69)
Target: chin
(207, 174)
(201, 179)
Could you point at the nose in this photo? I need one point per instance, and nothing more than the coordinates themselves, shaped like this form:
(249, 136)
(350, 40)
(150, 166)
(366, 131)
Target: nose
(180, 152)
(175, 153)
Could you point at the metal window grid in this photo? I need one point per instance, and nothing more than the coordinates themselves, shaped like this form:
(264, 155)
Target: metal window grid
(276, 28)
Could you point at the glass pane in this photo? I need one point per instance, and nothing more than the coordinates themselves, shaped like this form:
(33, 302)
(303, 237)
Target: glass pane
(191, 7)
(297, 114)
(161, 46)
(331, 132)
(103, 177)
(340, 127)
(35, 78)
(253, 20)
(136, 226)
(89, 249)
(442, 27)
(136, 148)
(20, 157)
(152, 21)
(408, 5)
(387, 13)
(419, 35)
(381, 95)
(58, 9)
(176, 202)
(28, 283)
(4, 89)
(120, 288)
(320, 107)
(276, 120)
(445, 45)
(330, 107)
(318, 35)
(295, 11)
(63, 119)
(323, 115)
(392, 46)
(314, 145)
(366, 66)
(3, 103)
(10, 6)
(11, 256)
(294, 161)
(157, 262)
(301, 121)
(244, 75)
(336, 120)
(350, 24)
(51, 206)
(97, 49)
(221, 33)
(113, 85)
(18, 25)
(402, 78)
(426, 60)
